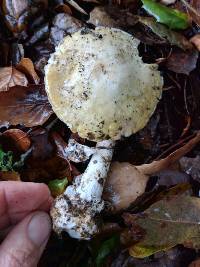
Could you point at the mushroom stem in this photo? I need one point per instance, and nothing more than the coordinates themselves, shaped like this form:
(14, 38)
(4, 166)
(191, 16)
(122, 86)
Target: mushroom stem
(75, 211)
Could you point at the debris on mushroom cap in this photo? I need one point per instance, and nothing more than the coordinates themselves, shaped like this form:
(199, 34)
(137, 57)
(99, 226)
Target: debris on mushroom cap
(99, 86)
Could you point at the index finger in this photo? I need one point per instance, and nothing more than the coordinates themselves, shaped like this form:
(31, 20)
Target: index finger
(18, 199)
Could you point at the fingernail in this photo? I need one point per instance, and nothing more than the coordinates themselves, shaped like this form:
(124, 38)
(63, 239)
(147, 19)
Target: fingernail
(39, 228)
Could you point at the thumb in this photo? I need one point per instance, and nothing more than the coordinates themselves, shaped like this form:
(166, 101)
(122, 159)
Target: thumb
(24, 245)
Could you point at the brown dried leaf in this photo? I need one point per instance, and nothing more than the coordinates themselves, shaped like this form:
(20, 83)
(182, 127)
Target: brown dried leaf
(182, 62)
(19, 139)
(123, 185)
(162, 164)
(10, 77)
(195, 263)
(196, 41)
(28, 106)
(9, 176)
(63, 8)
(27, 67)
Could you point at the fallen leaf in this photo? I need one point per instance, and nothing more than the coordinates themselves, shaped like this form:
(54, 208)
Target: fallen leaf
(173, 18)
(171, 177)
(175, 257)
(196, 41)
(9, 176)
(195, 263)
(193, 8)
(182, 62)
(191, 166)
(44, 164)
(14, 7)
(10, 77)
(126, 182)
(165, 224)
(46, 170)
(26, 66)
(123, 185)
(19, 139)
(194, 11)
(99, 17)
(105, 249)
(110, 16)
(42, 147)
(63, 24)
(63, 8)
(15, 13)
(174, 38)
(159, 165)
(57, 187)
(28, 106)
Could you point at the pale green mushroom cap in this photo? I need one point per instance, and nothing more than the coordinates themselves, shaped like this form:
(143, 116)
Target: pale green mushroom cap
(99, 86)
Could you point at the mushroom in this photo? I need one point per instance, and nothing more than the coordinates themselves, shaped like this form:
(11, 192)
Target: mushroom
(99, 86)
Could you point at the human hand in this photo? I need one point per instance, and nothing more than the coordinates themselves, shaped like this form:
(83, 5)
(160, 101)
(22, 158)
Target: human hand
(23, 208)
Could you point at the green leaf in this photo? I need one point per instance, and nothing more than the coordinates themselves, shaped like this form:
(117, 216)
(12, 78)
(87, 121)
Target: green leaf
(57, 186)
(165, 224)
(6, 160)
(174, 38)
(106, 248)
(173, 18)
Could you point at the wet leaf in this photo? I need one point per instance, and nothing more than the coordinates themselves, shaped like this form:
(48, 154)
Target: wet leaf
(10, 77)
(126, 182)
(18, 138)
(57, 187)
(63, 24)
(159, 165)
(14, 7)
(40, 33)
(26, 66)
(182, 62)
(174, 38)
(16, 13)
(28, 106)
(106, 248)
(45, 170)
(165, 224)
(173, 18)
(191, 166)
(123, 185)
